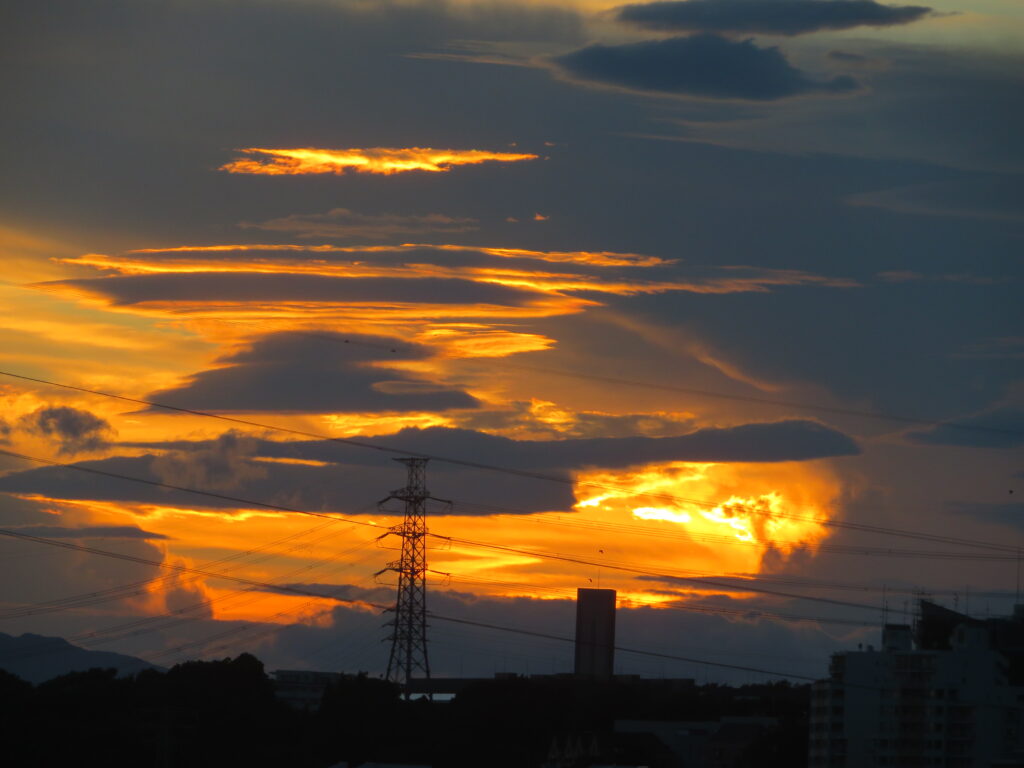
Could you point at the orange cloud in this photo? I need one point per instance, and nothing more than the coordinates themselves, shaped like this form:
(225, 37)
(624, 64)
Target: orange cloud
(592, 258)
(731, 280)
(478, 340)
(755, 510)
(382, 160)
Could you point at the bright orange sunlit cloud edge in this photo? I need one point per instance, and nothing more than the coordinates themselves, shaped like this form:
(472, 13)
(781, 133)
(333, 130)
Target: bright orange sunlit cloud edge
(793, 488)
(381, 160)
(590, 258)
(556, 283)
(544, 282)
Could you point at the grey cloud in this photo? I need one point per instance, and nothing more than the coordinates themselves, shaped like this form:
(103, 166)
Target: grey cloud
(343, 592)
(72, 572)
(794, 440)
(347, 487)
(779, 17)
(211, 287)
(997, 428)
(1010, 515)
(78, 431)
(847, 57)
(90, 532)
(459, 650)
(221, 465)
(990, 197)
(355, 477)
(945, 107)
(924, 378)
(303, 373)
(906, 276)
(703, 66)
(343, 223)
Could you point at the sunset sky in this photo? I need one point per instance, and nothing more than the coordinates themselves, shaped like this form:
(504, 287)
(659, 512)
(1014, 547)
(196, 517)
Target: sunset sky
(725, 294)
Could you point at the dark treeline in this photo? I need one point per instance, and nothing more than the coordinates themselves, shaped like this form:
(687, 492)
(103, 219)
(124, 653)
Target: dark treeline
(219, 713)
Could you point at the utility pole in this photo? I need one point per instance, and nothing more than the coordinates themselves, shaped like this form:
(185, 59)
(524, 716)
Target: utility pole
(409, 626)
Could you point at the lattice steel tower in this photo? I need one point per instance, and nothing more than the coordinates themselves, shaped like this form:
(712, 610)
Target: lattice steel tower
(409, 627)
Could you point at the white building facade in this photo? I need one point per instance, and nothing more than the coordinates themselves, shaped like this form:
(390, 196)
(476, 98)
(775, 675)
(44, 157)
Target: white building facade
(950, 703)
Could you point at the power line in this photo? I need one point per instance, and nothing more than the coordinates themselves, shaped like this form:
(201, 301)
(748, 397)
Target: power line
(170, 619)
(637, 651)
(862, 527)
(880, 415)
(615, 566)
(179, 616)
(141, 587)
(451, 619)
(836, 410)
(310, 593)
(661, 533)
(626, 567)
(175, 566)
(674, 606)
(211, 494)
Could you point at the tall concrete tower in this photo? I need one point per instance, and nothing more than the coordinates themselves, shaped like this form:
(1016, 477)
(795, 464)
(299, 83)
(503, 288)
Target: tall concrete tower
(595, 633)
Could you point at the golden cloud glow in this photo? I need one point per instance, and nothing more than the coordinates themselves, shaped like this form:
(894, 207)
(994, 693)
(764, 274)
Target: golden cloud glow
(730, 280)
(777, 508)
(382, 160)
(370, 424)
(478, 340)
(592, 258)
(626, 521)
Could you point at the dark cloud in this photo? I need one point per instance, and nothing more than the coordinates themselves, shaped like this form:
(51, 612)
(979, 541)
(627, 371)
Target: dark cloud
(302, 373)
(847, 57)
(988, 197)
(346, 223)
(952, 108)
(252, 287)
(795, 440)
(353, 478)
(78, 431)
(349, 487)
(90, 532)
(997, 428)
(460, 650)
(5, 432)
(35, 573)
(1010, 515)
(343, 592)
(221, 465)
(774, 441)
(924, 378)
(776, 17)
(703, 66)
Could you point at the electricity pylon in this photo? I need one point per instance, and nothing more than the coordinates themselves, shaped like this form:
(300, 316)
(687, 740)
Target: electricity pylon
(409, 627)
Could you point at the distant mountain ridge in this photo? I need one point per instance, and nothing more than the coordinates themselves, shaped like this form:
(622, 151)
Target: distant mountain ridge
(38, 658)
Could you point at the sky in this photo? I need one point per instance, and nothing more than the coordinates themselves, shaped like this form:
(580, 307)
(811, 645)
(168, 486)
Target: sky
(724, 294)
